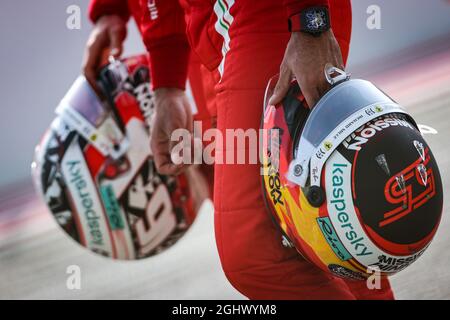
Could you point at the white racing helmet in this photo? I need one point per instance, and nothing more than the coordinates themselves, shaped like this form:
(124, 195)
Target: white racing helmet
(95, 171)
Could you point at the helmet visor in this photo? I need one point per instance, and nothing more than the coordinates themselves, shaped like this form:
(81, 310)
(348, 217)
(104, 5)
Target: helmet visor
(82, 99)
(337, 105)
(91, 118)
(340, 112)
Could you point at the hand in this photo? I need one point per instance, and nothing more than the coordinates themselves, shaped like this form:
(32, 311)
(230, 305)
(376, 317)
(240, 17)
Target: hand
(305, 59)
(109, 32)
(172, 111)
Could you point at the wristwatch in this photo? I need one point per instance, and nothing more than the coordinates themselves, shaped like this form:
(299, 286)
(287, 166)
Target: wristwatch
(312, 20)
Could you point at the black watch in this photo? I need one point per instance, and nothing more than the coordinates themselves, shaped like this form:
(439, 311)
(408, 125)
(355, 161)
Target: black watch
(312, 20)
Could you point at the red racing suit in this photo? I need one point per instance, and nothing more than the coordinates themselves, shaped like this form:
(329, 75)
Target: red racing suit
(241, 44)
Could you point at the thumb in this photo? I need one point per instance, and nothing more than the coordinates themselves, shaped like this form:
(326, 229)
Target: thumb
(282, 86)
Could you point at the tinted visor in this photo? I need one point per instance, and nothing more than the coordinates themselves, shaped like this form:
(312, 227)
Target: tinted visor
(339, 104)
(340, 112)
(82, 98)
(82, 110)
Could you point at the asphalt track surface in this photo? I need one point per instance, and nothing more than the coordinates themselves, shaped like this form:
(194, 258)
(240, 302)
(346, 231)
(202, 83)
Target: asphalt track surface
(35, 253)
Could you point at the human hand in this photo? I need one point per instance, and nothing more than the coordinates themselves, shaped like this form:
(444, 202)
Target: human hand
(108, 34)
(172, 111)
(305, 59)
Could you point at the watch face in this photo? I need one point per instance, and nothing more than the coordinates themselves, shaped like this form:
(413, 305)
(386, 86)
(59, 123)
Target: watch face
(316, 20)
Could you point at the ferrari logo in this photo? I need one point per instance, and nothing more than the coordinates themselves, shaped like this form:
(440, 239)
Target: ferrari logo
(378, 109)
(327, 145)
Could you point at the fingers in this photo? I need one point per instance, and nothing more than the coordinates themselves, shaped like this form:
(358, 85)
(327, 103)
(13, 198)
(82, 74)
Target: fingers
(167, 167)
(305, 59)
(92, 55)
(313, 83)
(282, 85)
(109, 31)
(116, 38)
(169, 163)
(312, 95)
(171, 157)
(163, 160)
(338, 60)
(172, 142)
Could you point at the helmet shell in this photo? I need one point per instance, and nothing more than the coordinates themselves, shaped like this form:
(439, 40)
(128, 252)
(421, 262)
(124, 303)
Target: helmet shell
(116, 206)
(381, 189)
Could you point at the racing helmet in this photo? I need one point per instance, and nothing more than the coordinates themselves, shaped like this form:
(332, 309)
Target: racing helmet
(95, 171)
(352, 184)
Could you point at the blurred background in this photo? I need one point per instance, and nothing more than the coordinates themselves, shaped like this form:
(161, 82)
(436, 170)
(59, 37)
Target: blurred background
(409, 57)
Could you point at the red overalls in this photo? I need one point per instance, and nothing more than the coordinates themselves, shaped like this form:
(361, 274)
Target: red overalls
(241, 43)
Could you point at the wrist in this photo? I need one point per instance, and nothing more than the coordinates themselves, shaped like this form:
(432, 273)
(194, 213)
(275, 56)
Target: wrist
(168, 91)
(110, 18)
(312, 37)
(165, 93)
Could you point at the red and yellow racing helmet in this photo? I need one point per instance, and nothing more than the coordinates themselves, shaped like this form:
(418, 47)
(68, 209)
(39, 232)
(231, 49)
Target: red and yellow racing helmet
(351, 183)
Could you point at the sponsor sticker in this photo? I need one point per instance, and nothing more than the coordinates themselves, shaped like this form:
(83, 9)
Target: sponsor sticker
(112, 207)
(388, 263)
(144, 95)
(361, 136)
(341, 209)
(344, 272)
(332, 238)
(327, 145)
(94, 232)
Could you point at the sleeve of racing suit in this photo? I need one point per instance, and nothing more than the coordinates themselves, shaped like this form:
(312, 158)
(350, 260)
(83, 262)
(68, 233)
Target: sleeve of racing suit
(98, 8)
(295, 6)
(163, 30)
